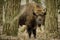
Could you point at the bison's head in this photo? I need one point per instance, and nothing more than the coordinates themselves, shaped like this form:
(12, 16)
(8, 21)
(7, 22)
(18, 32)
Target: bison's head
(40, 13)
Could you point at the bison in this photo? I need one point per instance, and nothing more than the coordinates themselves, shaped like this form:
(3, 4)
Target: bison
(33, 16)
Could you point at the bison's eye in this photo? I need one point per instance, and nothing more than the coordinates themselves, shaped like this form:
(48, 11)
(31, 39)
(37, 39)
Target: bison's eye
(35, 14)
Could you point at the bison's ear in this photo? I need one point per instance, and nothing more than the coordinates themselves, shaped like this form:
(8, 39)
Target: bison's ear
(45, 13)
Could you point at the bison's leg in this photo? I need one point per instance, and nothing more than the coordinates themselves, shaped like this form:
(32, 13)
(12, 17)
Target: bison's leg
(34, 33)
(29, 32)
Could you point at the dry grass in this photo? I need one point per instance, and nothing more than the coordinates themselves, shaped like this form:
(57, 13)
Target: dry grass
(22, 35)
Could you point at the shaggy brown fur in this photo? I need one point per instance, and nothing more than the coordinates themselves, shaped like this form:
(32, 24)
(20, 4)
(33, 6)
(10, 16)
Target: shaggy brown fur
(29, 18)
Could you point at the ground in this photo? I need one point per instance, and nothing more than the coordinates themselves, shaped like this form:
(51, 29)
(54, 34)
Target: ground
(24, 36)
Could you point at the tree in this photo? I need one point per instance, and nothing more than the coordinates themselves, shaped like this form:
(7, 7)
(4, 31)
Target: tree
(1, 12)
(12, 9)
(37, 1)
(58, 4)
(51, 22)
(27, 1)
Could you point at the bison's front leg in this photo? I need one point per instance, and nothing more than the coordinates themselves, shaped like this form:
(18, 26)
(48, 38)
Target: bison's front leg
(34, 33)
(29, 31)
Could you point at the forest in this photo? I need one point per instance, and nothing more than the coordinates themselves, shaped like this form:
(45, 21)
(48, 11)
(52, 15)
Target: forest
(29, 19)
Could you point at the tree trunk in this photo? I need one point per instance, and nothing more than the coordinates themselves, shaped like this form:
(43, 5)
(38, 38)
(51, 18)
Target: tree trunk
(1, 15)
(27, 1)
(37, 1)
(51, 22)
(12, 9)
(1, 12)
